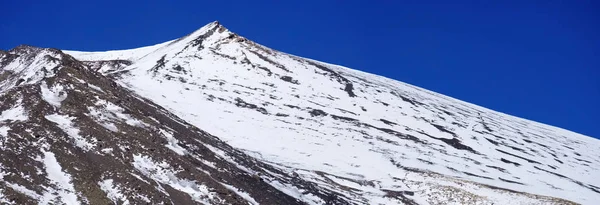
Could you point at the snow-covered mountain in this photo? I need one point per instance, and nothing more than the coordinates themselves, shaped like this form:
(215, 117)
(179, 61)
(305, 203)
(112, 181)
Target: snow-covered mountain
(213, 117)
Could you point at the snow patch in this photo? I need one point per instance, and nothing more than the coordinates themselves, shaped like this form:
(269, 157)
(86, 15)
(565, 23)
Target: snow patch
(95, 87)
(242, 194)
(55, 95)
(143, 198)
(4, 131)
(220, 153)
(297, 193)
(110, 126)
(61, 189)
(139, 177)
(108, 113)
(163, 173)
(16, 113)
(102, 119)
(173, 143)
(107, 150)
(65, 123)
(207, 163)
(113, 192)
(24, 190)
(2, 197)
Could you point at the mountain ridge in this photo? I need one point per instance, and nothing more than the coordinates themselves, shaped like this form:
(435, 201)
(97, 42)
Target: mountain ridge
(150, 48)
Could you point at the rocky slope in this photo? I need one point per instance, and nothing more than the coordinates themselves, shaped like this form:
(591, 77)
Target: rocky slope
(70, 135)
(215, 118)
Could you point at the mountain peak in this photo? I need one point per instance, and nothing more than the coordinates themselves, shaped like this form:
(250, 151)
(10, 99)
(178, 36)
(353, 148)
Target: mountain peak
(136, 53)
(207, 31)
(215, 25)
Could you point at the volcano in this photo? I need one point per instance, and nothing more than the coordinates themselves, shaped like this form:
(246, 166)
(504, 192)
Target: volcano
(215, 118)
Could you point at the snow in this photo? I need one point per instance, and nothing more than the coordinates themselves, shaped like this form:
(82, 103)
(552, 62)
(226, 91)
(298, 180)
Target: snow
(113, 192)
(15, 113)
(206, 95)
(221, 154)
(107, 150)
(131, 54)
(139, 177)
(31, 70)
(103, 118)
(173, 143)
(445, 192)
(3, 199)
(143, 198)
(95, 87)
(4, 131)
(242, 194)
(207, 163)
(296, 193)
(66, 124)
(107, 113)
(24, 190)
(110, 126)
(88, 84)
(61, 190)
(162, 172)
(55, 95)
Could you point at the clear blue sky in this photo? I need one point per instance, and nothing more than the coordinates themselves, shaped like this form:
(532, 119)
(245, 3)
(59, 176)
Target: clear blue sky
(534, 59)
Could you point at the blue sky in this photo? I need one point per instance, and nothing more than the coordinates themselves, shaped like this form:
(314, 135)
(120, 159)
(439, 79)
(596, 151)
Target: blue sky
(538, 60)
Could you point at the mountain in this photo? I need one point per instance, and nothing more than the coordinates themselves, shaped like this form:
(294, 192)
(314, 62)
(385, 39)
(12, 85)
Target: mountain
(214, 118)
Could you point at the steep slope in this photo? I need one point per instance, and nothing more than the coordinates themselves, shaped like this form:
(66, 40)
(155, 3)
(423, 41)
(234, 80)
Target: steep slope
(69, 135)
(317, 133)
(369, 138)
